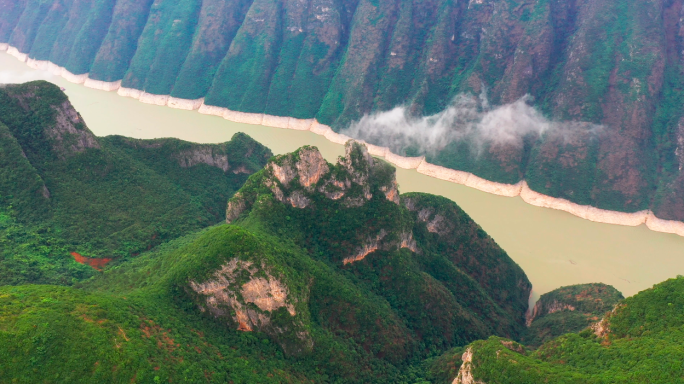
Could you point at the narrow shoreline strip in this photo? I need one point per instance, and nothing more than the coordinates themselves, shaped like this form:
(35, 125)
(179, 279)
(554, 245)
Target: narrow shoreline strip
(520, 189)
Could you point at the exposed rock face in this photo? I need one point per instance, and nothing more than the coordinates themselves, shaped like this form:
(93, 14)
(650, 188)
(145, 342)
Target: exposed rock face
(570, 309)
(370, 246)
(296, 176)
(601, 328)
(465, 374)
(548, 308)
(237, 285)
(267, 293)
(307, 169)
(203, 155)
(311, 167)
(391, 192)
(239, 156)
(334, 189)
(373, 244)
(358, 162)
(69, 135)
(406, 241)
(236, 206)
(435, 222)
(284, 172)
(298, 200)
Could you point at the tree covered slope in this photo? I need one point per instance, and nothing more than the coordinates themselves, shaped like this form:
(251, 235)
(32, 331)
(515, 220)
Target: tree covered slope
(237, 266)
(639, 340)
(614, 64)
(324, 273)
(417, 251)
(63, 190)
(569, 309)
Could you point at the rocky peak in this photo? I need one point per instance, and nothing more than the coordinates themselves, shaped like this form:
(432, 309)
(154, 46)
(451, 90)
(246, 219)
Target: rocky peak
(295, 178)
(311, 167)
(357, 161)
(69, 133)
(307, 164)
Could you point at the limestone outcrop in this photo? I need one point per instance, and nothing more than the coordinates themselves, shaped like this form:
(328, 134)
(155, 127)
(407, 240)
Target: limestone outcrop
(236, 206)
(295, 179)
(203, 155)
(371, 245)
(435, 222)
(249, 295)
(302, 178)
(548, 308)
(68, 134)
(465, 373)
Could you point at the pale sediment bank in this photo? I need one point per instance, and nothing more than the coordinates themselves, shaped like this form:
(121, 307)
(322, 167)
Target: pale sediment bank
(418, 163)
(188, 105)
(102, 85)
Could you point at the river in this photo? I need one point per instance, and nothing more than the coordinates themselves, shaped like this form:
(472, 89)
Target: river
(554, 248)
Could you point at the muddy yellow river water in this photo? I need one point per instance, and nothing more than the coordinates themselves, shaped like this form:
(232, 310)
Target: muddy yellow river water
(553, 247)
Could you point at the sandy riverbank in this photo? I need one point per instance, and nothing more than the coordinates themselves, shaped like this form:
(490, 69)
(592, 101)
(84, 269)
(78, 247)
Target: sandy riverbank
(509, 190)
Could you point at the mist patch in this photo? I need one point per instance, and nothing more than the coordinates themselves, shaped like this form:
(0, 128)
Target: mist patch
(469, 119)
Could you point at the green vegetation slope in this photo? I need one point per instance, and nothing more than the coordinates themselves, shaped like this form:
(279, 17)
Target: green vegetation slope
(638, 341)
(324, 274)
(63, 190)
(569, 309)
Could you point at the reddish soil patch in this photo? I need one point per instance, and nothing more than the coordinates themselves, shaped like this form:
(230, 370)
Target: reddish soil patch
(95, 263)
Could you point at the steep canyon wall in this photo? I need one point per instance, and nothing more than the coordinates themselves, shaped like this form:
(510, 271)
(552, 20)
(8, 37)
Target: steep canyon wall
(292, 64)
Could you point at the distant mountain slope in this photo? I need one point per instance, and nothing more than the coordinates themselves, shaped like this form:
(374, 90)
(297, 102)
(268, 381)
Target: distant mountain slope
(569, 309)
(617, 64)
(638, 341)
(105, 197)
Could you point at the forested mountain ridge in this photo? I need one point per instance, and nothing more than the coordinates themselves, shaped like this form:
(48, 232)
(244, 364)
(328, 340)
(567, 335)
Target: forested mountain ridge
(64, 190)
(639, 340)
(323, 273)
(320, 272)
(351, 215)
(568, 309)
(612, 64)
